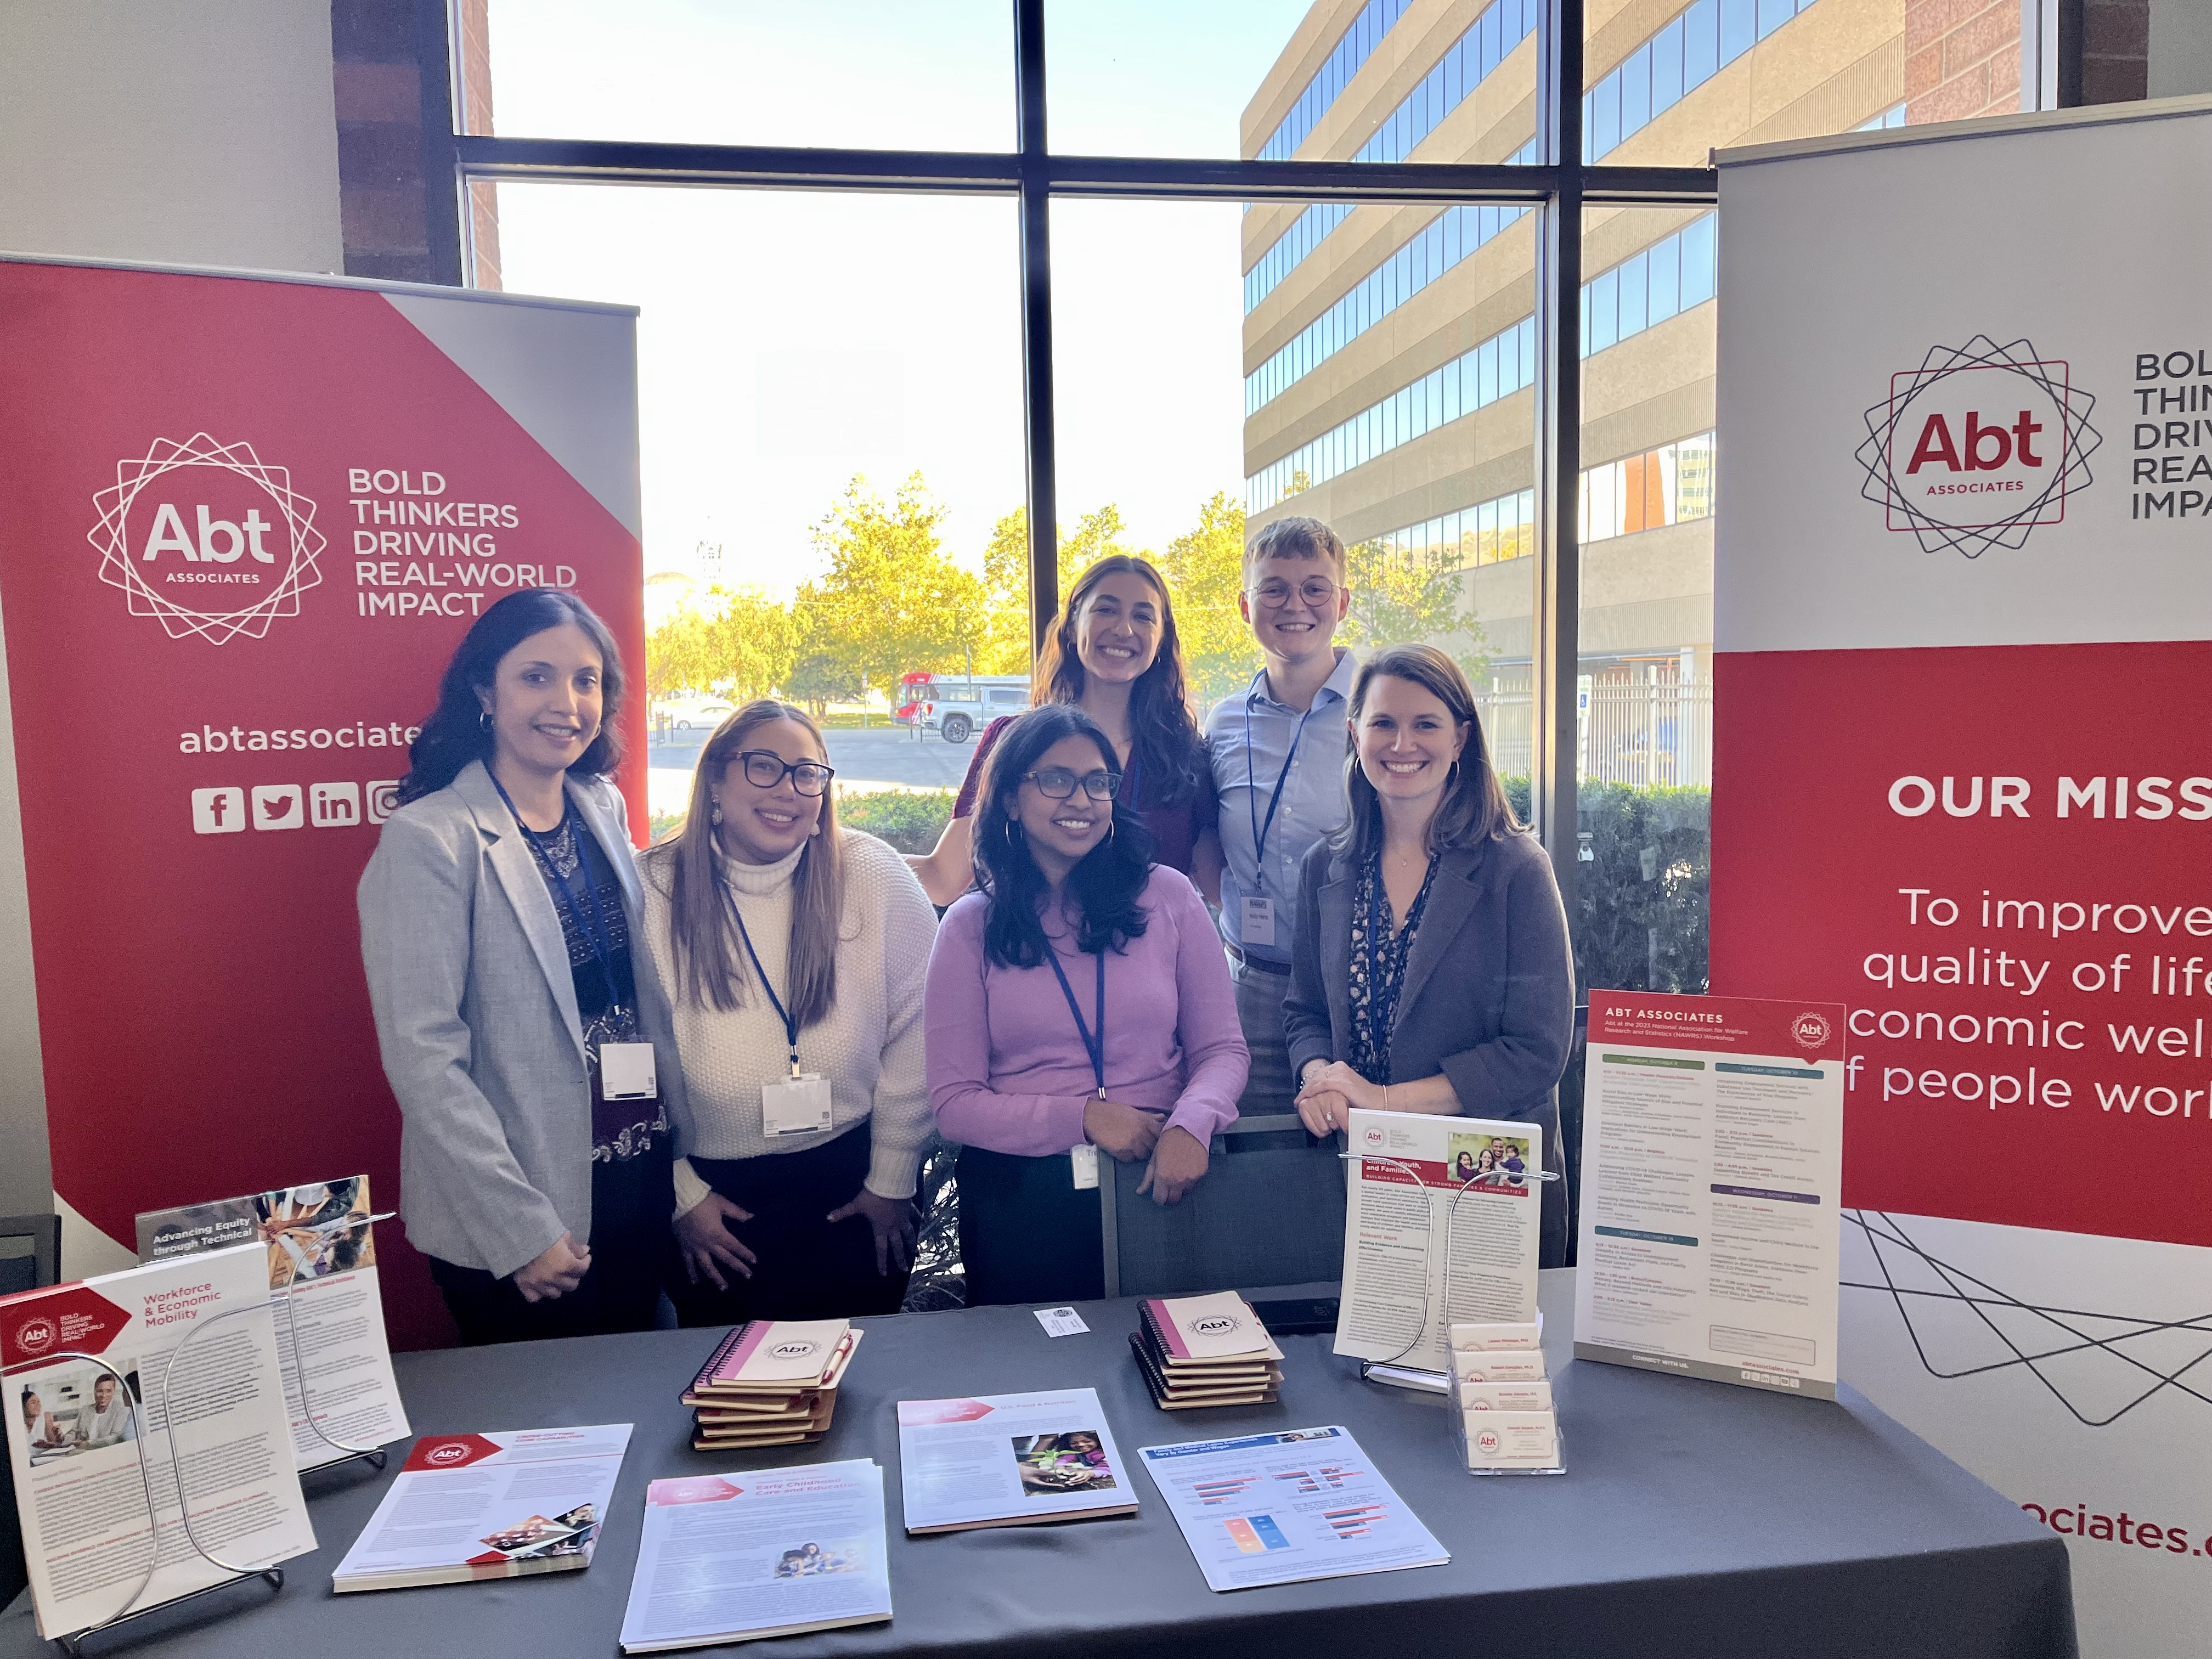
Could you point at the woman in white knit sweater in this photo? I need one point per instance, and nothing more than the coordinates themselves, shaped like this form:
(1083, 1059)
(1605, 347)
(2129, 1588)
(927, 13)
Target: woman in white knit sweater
(794, 951)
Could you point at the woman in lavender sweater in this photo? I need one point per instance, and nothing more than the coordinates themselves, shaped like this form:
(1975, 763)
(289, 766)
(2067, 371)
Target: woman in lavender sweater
(1079, 1007)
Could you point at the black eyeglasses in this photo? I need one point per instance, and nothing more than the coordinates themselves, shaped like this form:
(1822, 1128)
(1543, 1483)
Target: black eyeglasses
(1058, 783)
(764, 769)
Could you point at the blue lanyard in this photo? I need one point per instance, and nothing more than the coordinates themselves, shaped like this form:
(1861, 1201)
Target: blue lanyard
(1094, 1043)
(1252, 797)
(790, 1027)
(602, 947)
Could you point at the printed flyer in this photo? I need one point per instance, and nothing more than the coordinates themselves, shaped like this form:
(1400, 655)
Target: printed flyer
(1009, 1460)
(1277, 1509)
(1442, 1227)
(1712, 1169)
(731, 1558)
(329, 1314)
(496, 1505)
(87, 1437)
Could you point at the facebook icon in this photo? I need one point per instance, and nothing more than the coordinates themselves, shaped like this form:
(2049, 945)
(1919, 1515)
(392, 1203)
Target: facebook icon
(218, 812)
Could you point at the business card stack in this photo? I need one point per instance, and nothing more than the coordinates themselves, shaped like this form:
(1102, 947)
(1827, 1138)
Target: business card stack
(1205, 1350)
(770, 1383)
(1502, 1417)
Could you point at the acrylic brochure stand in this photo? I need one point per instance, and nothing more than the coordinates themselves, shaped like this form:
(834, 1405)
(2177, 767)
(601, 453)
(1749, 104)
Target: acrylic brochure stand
(131, 1612)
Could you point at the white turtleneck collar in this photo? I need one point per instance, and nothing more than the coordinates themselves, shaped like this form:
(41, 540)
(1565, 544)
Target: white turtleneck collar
(760, 880)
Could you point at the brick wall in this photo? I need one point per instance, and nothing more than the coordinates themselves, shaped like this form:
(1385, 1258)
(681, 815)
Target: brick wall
(396, 198)
(1962, 59)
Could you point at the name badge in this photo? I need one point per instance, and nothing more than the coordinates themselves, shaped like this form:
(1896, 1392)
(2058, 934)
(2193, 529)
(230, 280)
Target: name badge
(1083, 1160)
(797, 1106)
(1257, 923)
(626, 1072)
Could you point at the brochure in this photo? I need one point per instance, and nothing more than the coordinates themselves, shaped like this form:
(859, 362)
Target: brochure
(77, 1432)
(1276, 1508)
(1712, 1173)
(322, 1269)
(731, 1558)
(1441, 1228)
(1009, 1460)
(494, 1506)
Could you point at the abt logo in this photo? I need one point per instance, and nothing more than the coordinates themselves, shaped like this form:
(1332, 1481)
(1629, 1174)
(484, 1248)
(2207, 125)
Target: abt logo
(207, 538)
(228, 811)
(1978, 445)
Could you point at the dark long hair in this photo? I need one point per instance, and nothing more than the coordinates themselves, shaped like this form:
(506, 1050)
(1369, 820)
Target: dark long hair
(1162, 730)
(711, 971)
(1474, 807)
(1105, 885)
(455, 733)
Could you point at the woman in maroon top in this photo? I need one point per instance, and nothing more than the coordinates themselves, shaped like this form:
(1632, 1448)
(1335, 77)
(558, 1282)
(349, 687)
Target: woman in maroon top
(1114, 654)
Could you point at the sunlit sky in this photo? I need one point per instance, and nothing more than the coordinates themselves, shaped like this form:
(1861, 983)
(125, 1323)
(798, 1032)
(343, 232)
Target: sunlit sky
(789, 340)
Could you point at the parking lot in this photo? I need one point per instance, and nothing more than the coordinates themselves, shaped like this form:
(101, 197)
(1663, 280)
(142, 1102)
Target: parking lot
(864, 760)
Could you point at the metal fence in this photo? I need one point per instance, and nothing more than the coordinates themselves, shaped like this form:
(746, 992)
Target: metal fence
(1655, 732)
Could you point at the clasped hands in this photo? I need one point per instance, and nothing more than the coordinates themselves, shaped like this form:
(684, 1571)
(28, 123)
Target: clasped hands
(1330, 1091)
(709, 1242)
(1128, 1134)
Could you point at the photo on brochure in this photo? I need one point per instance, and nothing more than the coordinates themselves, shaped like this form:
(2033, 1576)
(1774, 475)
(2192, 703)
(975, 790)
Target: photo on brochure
(73, 1409)
(1488, 1160)
(1073, 1462)
(315, 1231)
(538, 1538)
(809, 1559)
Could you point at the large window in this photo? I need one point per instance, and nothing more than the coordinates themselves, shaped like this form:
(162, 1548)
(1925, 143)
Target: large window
(984, 288)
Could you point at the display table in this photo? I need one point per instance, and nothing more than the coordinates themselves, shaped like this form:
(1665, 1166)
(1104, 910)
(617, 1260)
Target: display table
(1694, 1518)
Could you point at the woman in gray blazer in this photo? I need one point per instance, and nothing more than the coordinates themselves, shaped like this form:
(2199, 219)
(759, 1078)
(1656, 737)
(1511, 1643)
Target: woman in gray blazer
(1432, 972)
(527, 1040)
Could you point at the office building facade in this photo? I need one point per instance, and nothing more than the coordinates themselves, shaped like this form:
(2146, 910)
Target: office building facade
(1390, 352)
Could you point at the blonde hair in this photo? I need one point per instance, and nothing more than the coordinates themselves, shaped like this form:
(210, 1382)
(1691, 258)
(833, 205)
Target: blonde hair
(711, 967)
(1297, 537)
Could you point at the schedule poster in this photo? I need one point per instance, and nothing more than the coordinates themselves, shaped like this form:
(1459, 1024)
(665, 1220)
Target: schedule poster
(1712, 1167)
(244, 523)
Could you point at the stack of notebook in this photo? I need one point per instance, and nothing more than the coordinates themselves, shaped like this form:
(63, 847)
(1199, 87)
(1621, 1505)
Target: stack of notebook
(770, 1383)
(1205, 1350)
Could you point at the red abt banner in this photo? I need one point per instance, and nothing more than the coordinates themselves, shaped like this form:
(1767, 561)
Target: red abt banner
(244, 524)
(2003, 853)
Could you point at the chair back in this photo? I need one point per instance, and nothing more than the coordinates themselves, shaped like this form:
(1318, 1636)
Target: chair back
(1269, 1212)
(33, 1263)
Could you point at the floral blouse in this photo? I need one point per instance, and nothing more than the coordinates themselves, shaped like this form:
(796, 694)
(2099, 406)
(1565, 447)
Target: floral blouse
(1379, 950)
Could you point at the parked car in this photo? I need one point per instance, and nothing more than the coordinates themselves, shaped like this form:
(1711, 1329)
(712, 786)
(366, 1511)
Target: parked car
(958, 705)
(701, 714)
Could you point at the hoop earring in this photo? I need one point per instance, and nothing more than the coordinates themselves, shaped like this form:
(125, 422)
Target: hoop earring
(483, 719)
(1011, 841)
(1451, 778)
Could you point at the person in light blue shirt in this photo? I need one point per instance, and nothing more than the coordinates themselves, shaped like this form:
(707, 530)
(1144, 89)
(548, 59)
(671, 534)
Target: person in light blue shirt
(1278, 751)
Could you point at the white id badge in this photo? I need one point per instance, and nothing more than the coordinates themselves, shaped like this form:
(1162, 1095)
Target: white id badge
(1083, 1160)
(626, 1072)
(1257, 923)
(796, 1106)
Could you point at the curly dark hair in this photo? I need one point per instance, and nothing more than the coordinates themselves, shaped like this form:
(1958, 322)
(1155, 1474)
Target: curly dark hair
(454, 734)
(1105, 886)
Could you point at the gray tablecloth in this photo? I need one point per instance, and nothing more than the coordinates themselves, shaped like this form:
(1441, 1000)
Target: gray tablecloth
(1695, 1518)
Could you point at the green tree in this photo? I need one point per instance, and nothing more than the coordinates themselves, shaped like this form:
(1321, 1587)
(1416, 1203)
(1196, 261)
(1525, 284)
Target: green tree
(891, 602)
(1205, 571)
(1414, 598)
